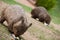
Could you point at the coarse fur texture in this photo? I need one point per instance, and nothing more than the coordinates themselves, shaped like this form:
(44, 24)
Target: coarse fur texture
(16, 19)
(42, 14)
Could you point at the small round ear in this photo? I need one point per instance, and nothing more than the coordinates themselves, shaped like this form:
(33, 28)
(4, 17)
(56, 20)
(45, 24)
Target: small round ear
(30, 24)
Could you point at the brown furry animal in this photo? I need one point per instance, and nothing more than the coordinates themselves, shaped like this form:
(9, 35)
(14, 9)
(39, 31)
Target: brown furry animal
(16, 20)
(3, 5)
(42, 14)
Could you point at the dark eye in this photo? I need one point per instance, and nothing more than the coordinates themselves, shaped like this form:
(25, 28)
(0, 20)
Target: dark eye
(18, 31)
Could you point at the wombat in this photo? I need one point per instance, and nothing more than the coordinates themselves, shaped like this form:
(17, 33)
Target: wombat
(16, 19)
(42, 14)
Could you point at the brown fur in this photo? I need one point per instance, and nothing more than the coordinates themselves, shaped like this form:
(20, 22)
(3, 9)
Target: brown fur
(3, 5)
(42, 14)
(16, 19)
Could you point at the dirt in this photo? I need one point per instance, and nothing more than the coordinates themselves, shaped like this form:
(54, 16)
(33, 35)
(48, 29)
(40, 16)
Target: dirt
(56, 26)
(38, 25)
(38, 29)
(28, 36)
(25, 2)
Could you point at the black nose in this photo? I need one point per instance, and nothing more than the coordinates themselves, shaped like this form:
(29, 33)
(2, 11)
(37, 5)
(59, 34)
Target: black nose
(16, 39)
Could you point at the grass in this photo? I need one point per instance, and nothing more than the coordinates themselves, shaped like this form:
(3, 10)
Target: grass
(55, 13)
(4, 33)
(55, 31)
(41, 34)
(37, 32)
(26, 8)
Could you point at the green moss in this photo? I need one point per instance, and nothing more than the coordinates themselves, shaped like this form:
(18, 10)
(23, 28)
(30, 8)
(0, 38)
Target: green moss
(48, 4)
